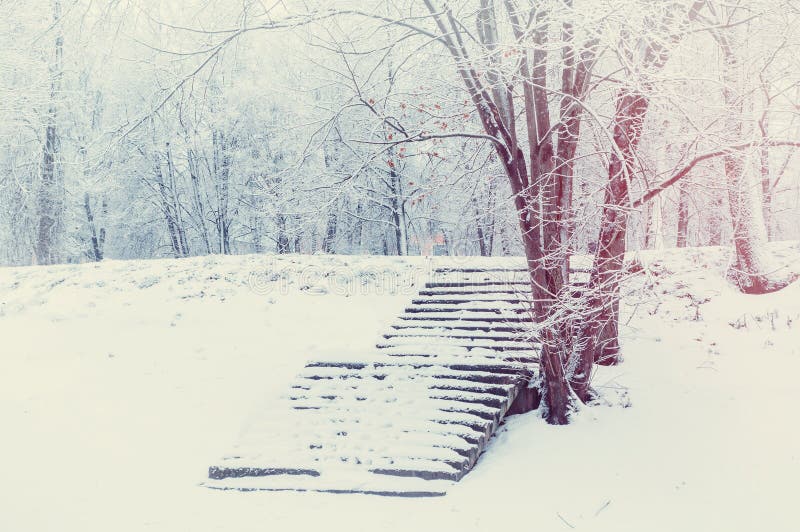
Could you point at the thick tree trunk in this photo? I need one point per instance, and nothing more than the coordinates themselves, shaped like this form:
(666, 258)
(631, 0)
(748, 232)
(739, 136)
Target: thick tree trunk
(537, 194)
(752, 271)
(546, 284)
(599, 335)
(600, 330)
(541, 239)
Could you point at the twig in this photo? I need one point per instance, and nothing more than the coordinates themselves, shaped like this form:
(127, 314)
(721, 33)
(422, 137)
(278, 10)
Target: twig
(564, 520)
(602, 507)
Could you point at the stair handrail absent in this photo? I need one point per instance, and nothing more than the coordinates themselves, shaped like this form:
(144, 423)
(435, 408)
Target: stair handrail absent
(415, 416)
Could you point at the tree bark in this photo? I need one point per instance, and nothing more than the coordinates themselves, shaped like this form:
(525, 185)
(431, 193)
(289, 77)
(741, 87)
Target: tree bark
(167, 207)
(683, 214)
(600, 331)
(328, 242)
(398, 213)
(222, 171)
(194, 176)
(283, 238)
(95, 240)
(752, 270)
(483, 244)
(50, 201)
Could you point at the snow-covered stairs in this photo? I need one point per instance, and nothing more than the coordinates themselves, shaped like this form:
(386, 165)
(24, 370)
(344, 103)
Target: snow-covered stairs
(412, 418)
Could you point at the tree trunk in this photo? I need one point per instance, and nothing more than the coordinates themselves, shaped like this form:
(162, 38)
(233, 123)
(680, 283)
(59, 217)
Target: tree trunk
(194, 177)
(766, 180)
(50, 201)
(329, 241)
(96, 252)
(752, 269)
(537, 194)
(683, 214)
(283, 238)
(167, 208)
(716, 219)
(222, 170)
(356, 236)
(398, 213)
(483, 246)
(600, 330)
(654, 238)
(297, 236)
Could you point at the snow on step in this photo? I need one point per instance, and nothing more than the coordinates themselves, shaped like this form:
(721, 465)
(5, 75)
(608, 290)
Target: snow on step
(466, 317)
(443, 328)
(478, 308)
(444, 335)
(409, 419)
(485, 292)
(473, 300)
(456, 335)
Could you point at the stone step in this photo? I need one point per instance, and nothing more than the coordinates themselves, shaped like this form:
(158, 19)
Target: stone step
(470, 301)
(501, 347)
(331, 403)
(414, 416)
(468, 340)
(350, 480)
(456, 354)
(458, 396)
(460, 317)
(516, 296)
(472, 292)
(220, 472)
(526, 358)
(499, 390)
(477, 284)
(489, 283)
(438, 327)
(455, 309)
(485, 365)
(450, 270)
(474, 418)
(485, 377)
(439, 336)
(314, 426)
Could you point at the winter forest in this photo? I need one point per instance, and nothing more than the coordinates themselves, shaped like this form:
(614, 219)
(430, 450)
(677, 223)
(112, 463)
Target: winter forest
(136, 129)
(605, 154)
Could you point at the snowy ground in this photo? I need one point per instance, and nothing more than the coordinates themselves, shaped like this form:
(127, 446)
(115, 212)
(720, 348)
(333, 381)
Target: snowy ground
(121, 382)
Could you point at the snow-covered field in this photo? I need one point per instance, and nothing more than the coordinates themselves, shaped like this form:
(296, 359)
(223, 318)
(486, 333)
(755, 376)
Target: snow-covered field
(120, 383)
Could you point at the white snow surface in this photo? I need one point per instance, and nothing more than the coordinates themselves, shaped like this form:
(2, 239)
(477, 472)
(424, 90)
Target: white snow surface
(120, 383)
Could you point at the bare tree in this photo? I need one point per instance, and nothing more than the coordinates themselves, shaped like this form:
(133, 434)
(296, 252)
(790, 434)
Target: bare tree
(50, 201)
